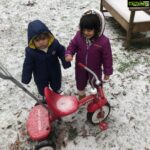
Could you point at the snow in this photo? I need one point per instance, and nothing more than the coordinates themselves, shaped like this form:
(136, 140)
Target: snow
(128, 90)
(66, 105)
(122, 8)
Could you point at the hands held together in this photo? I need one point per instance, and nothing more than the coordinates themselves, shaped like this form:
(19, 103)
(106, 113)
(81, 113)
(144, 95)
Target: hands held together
(68, 58)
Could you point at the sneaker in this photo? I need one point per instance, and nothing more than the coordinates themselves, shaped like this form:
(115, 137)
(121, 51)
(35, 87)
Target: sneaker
(42, 99)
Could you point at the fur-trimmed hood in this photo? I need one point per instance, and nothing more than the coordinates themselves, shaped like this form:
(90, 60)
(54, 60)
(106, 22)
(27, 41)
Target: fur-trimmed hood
(101, 16)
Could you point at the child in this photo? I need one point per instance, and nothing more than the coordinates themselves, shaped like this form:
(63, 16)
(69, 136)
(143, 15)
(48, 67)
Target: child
(41, 58)
(92, 48)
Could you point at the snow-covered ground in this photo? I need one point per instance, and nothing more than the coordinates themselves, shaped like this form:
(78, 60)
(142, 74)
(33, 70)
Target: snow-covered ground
(128, 90)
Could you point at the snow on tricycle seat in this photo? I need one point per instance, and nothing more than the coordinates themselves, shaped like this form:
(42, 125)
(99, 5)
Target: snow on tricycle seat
(130, 18)
(60, 105)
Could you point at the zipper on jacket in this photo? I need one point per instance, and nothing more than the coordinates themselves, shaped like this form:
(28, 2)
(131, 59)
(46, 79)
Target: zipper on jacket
(88, 44)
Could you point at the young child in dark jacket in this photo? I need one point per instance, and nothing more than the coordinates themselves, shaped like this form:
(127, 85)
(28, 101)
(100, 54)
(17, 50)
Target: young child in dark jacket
(41, 58)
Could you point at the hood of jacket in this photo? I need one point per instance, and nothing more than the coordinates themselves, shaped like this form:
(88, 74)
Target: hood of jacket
(35, 28)
(101, 17)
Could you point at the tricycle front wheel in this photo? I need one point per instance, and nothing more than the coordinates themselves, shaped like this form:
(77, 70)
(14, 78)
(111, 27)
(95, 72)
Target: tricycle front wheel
(45, 145)
(99, 115)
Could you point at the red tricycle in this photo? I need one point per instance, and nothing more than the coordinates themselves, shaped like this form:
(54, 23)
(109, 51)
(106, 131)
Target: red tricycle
(40, 118)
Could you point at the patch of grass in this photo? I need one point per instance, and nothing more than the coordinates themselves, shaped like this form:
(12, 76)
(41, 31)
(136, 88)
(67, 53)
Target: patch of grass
(147, 60)
(73, 133)
(123, 66)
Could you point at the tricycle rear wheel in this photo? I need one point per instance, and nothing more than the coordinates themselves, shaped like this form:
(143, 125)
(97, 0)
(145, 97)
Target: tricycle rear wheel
(99, 115)
(45, 145)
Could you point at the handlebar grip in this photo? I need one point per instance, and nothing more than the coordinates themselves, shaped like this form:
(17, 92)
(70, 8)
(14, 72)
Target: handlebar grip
(81, 65)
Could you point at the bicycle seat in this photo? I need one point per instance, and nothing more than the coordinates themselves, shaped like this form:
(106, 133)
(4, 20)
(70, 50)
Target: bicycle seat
(60, 105)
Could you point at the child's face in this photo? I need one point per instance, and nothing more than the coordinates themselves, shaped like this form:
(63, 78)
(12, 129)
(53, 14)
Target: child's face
(88, 33)
(41, 42)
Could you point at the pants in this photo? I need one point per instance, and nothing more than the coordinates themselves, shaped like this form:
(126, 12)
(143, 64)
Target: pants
(82, 78)
(54, 82)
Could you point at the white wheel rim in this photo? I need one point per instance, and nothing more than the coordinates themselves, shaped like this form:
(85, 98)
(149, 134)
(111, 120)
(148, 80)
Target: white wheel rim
(46, 148)
(95, 119)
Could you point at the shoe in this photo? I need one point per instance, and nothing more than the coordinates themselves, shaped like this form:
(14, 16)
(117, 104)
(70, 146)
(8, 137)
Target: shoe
(42, 99)
(81, 96)
(59, 92)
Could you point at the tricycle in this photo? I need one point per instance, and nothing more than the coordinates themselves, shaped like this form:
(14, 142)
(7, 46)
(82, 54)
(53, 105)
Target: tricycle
(41, 116)
(39, 123)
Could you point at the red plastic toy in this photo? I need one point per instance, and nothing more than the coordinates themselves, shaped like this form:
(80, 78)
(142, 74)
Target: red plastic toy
(40, 119)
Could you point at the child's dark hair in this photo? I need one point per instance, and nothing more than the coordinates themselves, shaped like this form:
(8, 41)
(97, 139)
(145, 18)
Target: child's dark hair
(90, 21)
(42, 35)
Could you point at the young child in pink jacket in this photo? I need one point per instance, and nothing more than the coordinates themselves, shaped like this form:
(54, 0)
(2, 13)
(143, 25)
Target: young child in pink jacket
(92, 48)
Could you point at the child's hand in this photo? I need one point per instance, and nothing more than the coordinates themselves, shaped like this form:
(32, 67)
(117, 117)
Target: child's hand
(106, 77)
(68, 58)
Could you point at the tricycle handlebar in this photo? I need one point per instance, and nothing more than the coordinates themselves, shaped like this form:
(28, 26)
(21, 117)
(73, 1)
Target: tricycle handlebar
(90, 71)
(81, 65)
